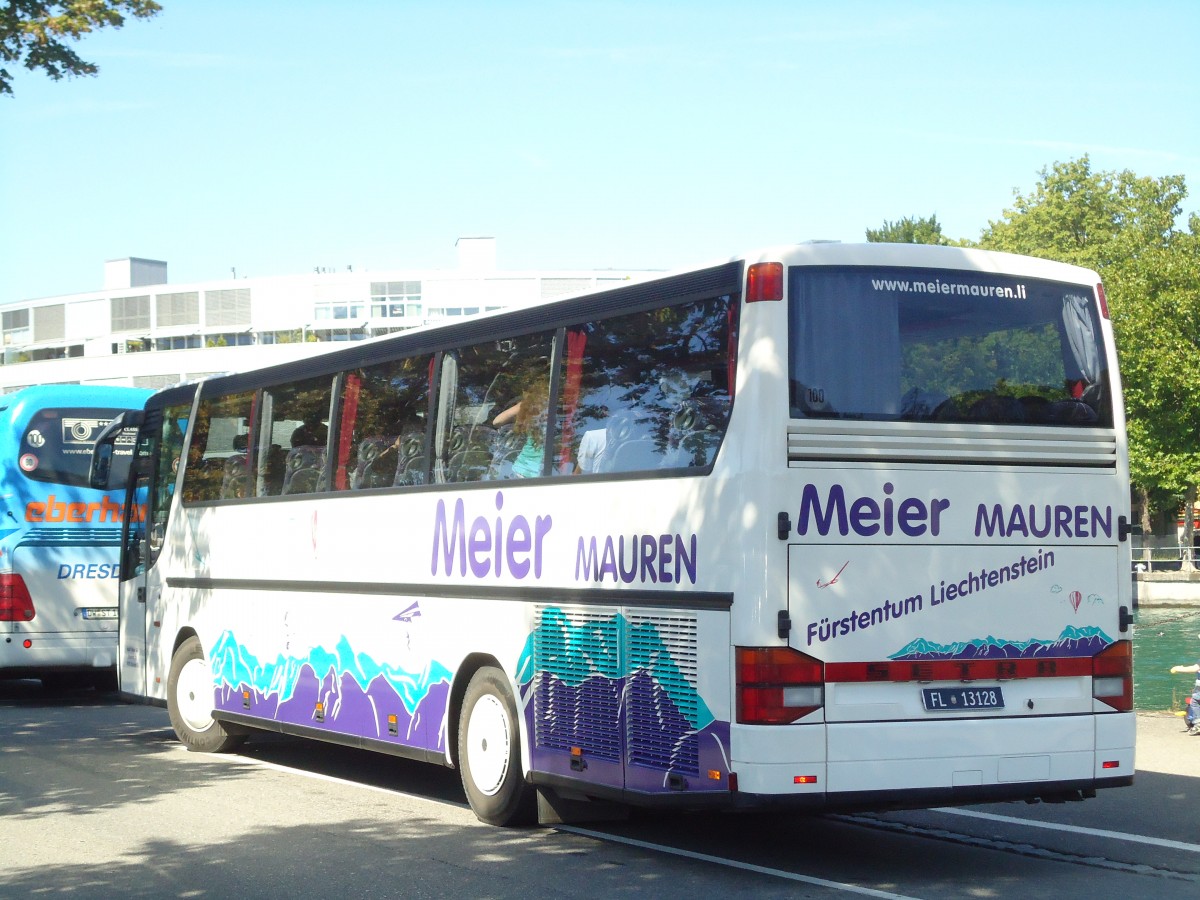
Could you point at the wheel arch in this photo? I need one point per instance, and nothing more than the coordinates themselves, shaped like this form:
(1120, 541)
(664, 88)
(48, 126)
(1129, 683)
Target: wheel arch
(458, 690)
(182, 635)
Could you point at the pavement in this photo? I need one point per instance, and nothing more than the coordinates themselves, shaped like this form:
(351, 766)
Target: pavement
(1163, 745)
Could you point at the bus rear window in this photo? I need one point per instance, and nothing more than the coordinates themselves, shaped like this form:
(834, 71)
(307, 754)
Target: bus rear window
(930, 345)
(57, 445)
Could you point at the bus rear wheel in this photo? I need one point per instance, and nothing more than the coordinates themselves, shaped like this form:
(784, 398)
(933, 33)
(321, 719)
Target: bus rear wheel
(489, 752)
(190, 702)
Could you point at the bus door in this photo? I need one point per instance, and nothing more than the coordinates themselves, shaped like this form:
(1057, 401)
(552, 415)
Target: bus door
(133, 618)
(151, 487)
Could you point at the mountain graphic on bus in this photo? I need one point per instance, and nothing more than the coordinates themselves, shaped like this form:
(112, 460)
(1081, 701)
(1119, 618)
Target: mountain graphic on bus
(1072, 642)
(574, 650)
(345, 691)
(618, 688)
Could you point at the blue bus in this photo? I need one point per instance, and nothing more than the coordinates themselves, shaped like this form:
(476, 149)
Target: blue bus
(59, 538)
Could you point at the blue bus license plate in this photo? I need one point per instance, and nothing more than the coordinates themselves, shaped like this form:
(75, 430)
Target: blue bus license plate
(954, 699)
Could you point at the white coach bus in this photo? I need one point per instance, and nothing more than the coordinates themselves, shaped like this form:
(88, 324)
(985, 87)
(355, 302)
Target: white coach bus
(824, 525)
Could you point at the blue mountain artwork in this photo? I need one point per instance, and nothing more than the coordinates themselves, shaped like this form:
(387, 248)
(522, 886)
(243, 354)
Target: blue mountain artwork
(1072, 642)
(338, 690)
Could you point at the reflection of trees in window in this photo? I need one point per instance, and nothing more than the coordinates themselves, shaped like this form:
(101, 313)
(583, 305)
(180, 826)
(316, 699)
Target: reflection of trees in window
(950, 346)
(300, 409)
(170, 451)
(290, 453)
(170, 454)
(382, 432)
(220, 422)
(647, 390)
(963, 372)
(493, 426)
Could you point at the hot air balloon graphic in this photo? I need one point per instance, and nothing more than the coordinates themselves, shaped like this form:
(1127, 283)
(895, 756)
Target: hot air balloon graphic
(1076, 597)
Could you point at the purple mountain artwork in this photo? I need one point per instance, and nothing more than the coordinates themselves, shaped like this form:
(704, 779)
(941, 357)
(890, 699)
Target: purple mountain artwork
(1072, 642)
(616, 692)
(336, 690)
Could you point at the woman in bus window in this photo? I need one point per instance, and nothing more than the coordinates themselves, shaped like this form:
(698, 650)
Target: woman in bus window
(528, 417)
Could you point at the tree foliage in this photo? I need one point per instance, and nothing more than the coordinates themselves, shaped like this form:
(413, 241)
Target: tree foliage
(1125, 227)
(909, 231)
(34, 33)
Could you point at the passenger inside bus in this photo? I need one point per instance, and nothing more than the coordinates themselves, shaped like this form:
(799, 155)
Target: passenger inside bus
(305, 464)
(528, 418)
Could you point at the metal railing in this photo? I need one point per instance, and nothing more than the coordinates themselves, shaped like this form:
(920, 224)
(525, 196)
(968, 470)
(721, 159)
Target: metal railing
(1164, 554)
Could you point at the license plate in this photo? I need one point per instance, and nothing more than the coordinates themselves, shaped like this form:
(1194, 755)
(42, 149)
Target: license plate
(100, 612)
(957, 699)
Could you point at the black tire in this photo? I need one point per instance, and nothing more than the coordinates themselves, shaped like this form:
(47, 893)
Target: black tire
(189, 702)
(489, 752)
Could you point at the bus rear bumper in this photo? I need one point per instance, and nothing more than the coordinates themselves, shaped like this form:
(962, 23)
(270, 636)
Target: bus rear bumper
(55, 653)
(883, 764)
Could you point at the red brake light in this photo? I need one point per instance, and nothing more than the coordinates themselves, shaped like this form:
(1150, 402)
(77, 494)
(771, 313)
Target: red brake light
(1112, 676)
(1103, 300)
(764, 281)
(777, 685)
(15, 603)
(1115, 659)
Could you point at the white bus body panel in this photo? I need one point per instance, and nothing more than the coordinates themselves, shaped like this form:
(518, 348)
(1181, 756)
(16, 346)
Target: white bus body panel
(415, 581)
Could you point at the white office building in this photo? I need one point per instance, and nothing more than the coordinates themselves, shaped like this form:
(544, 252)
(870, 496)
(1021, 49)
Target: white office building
(141, 330)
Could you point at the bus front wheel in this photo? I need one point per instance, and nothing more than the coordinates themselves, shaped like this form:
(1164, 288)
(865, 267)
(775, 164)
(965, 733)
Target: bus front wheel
(489, 752)
(190, 702)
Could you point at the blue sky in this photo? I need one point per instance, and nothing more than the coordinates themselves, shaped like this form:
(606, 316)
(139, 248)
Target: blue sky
(275, 137)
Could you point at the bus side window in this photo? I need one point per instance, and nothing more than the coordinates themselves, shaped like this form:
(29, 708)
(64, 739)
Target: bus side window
(221, 422)
(381, 437)
(650, 390)
(292, 437)
(492, 416)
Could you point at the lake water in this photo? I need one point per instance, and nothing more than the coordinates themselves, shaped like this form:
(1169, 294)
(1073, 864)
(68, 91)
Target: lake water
(1163, 638)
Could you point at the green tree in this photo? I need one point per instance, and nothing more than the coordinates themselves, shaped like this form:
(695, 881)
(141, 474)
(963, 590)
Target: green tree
(34, 33)
(1125, 227)
(909, 231)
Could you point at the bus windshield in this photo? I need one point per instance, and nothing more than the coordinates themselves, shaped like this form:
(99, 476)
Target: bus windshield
(944, 346)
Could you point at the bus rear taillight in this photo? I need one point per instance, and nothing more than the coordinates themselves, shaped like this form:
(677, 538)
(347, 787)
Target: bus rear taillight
(1112, 676)
(777, 685)
(764, 281)
(15, 603)
(1102, 300)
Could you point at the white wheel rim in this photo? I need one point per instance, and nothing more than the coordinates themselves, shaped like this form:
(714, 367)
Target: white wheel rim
(488, 741)
(194, 695)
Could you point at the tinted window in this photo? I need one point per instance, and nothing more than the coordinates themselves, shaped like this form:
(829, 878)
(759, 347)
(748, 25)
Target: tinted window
(291, 439)
(57, 445)
(217, 458)
(381, 439)
(948, 346)
(650, 390)
(492, 401)
(169, 450)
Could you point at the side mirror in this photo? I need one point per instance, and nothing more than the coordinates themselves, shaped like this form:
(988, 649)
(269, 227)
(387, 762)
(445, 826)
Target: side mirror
(102, 451)
(101, 466)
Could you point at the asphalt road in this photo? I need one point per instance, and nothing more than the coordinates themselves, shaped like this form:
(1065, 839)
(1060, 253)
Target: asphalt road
(98, 800)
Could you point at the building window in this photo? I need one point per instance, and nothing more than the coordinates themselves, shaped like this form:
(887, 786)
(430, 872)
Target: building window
(16, 326)
(340, 311)
(391, 299)
(130, 313)
(178, 309)
(186, 342)
(227, 307)
(50, 322)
